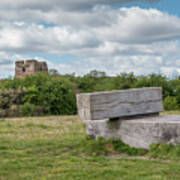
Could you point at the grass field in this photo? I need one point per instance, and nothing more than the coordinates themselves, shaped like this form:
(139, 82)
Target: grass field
(55, 148)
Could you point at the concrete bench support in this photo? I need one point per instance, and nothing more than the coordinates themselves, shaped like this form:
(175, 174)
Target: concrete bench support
(139, 132)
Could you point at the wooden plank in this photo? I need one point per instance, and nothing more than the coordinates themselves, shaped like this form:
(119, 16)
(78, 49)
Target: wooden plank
(114, 104)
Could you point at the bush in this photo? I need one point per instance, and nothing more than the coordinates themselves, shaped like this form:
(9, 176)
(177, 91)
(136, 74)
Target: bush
(54, 94)
(43, 95)
(10, 100)
(170, 103)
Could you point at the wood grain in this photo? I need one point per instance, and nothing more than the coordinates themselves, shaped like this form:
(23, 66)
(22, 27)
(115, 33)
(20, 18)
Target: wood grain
(113, 104)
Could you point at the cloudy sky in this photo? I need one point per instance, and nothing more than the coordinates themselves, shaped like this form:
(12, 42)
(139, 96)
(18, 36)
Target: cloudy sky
(140, 36)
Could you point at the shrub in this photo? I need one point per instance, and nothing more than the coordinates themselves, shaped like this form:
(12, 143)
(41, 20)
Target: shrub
(10, 100)
(28, 109)
(44, 94)
(170, 103)
(54, 94)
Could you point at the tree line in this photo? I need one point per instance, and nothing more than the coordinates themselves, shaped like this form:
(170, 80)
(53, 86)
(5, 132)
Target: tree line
(54, 94)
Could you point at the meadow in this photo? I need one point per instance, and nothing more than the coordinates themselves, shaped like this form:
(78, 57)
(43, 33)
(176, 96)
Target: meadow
(56, 147)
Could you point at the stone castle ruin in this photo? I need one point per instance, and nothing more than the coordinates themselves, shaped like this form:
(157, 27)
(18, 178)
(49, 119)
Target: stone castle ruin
(29, 67)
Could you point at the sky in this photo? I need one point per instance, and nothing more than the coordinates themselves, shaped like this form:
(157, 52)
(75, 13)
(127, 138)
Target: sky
(78, 36)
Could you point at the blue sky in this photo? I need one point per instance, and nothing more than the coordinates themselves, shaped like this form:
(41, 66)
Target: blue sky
(82, 35)
(171, 7)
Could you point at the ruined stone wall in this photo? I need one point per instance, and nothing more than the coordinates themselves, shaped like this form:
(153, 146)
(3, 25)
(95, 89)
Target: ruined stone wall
(29, 67)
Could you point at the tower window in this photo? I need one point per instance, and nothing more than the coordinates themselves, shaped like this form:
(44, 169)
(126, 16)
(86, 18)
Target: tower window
(23, 69)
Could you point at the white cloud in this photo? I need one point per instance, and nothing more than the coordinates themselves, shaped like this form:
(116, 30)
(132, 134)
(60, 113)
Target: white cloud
(115, 65)
(113, 40)
(69, 5)
(125, 26)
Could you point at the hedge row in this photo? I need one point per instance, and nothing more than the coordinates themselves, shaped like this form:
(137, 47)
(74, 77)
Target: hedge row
(54, 94)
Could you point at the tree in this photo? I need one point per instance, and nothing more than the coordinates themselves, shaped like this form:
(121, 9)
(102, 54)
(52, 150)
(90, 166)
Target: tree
(53, 72)
(97, 74)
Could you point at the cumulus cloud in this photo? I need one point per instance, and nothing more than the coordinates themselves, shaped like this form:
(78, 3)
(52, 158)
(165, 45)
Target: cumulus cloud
(94, 34)
(126, 30)
(47, 5)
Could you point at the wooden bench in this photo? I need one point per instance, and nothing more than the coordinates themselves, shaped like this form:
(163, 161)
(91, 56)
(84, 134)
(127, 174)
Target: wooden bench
(121, 103)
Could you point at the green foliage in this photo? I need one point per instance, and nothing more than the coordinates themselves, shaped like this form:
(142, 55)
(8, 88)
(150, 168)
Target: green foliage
(165, 151)
(10, 102)
(54, 94)
(155, 80)
(45, 94)
(124, 81)
(170, 103)
(28, 109)
(120, 147)
(93, 147)
(101, 146)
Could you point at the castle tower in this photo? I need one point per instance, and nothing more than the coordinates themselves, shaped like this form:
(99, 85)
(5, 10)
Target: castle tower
(29, 67)
(19, 69)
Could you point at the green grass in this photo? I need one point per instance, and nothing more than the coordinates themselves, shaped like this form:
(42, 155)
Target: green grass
(57, 148)
(171, 113)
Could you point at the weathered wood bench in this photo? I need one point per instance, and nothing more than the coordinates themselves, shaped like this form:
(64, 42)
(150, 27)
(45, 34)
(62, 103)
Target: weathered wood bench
(122, 103)
(127, 115)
